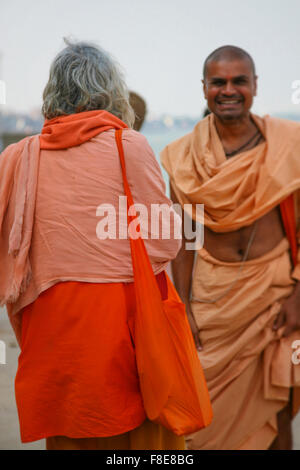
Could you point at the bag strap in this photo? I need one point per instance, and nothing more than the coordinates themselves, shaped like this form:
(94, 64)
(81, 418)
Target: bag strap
(130, 204)
(287, 211)
(118, 136)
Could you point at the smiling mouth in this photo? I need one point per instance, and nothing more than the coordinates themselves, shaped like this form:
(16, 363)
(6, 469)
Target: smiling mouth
(225, 102)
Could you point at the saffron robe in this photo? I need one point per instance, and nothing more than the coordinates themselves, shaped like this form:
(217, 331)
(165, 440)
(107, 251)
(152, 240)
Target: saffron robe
(248, 366)
(65, 290)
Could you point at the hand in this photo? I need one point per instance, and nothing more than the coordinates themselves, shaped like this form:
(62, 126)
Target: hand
(289, 314)
(193, 325)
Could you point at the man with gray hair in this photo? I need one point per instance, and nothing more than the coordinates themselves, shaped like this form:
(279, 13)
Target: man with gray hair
(242, 292)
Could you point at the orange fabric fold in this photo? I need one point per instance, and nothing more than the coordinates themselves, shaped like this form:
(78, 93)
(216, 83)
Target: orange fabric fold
(77, 373)
(247, 365)
(237, 191)
(68, 131)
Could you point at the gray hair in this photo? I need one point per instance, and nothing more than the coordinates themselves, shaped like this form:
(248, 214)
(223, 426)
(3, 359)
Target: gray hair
(83, 77)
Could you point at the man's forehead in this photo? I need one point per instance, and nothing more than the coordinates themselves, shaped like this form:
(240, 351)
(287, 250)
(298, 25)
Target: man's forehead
(229, 68)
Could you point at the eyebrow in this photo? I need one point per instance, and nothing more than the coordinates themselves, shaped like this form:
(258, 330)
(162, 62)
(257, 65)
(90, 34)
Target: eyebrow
(239, 77)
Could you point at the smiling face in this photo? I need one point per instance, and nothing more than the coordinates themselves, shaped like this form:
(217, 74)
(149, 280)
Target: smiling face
(229, 87)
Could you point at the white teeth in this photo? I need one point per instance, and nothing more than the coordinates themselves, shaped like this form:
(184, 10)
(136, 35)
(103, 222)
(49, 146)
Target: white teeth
(229, 102)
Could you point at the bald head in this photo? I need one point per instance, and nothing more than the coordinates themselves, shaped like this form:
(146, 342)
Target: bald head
(228, 53)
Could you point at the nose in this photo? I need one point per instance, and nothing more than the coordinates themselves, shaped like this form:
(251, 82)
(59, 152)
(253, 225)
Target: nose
(228, 88)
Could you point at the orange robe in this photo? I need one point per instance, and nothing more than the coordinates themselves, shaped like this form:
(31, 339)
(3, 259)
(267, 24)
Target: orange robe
(247, 365)
(77, 373)
(67, 285)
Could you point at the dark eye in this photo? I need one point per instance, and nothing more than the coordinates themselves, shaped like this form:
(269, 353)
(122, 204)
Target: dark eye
(240, 81)
(217, 82)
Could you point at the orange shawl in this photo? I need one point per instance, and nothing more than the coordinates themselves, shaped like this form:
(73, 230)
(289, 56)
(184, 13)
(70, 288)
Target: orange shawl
(19, 168)
(249, 184)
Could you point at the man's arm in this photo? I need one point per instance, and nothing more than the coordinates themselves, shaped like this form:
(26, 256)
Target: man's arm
(289, 315)
(182, 270)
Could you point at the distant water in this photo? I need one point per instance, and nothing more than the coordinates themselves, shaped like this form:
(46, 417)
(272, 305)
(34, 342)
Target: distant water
(158, 142)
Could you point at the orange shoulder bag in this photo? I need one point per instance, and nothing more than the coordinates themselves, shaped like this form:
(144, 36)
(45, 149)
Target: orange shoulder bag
(171, 378)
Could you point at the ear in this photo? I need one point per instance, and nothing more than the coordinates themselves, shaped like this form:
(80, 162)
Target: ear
(255, 85)
(204, 89)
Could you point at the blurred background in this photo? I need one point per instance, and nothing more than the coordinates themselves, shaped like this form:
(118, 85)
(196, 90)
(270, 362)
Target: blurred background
(161, 46)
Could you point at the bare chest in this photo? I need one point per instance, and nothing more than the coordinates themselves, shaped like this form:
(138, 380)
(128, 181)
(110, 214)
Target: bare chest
(256, 240)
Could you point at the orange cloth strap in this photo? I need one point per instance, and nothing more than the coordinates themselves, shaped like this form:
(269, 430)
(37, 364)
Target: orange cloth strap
(125, 181)
(287, 210)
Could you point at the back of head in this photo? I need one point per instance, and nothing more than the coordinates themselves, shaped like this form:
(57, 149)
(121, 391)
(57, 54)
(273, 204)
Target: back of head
(83, 77)
(228, 53)
(140, 109)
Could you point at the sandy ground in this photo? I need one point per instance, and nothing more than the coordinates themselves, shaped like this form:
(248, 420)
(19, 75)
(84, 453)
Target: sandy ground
(9, 425)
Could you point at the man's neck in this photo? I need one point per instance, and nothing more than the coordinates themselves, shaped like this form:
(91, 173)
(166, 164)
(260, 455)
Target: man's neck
(234, 129)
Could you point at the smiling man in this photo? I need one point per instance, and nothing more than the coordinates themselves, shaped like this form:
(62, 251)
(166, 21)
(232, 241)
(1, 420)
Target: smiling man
(241, 290)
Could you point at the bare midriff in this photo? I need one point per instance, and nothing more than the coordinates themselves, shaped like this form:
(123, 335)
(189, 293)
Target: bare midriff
(231, 246)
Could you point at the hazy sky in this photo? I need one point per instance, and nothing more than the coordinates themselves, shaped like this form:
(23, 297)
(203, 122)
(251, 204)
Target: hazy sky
(161, 45)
